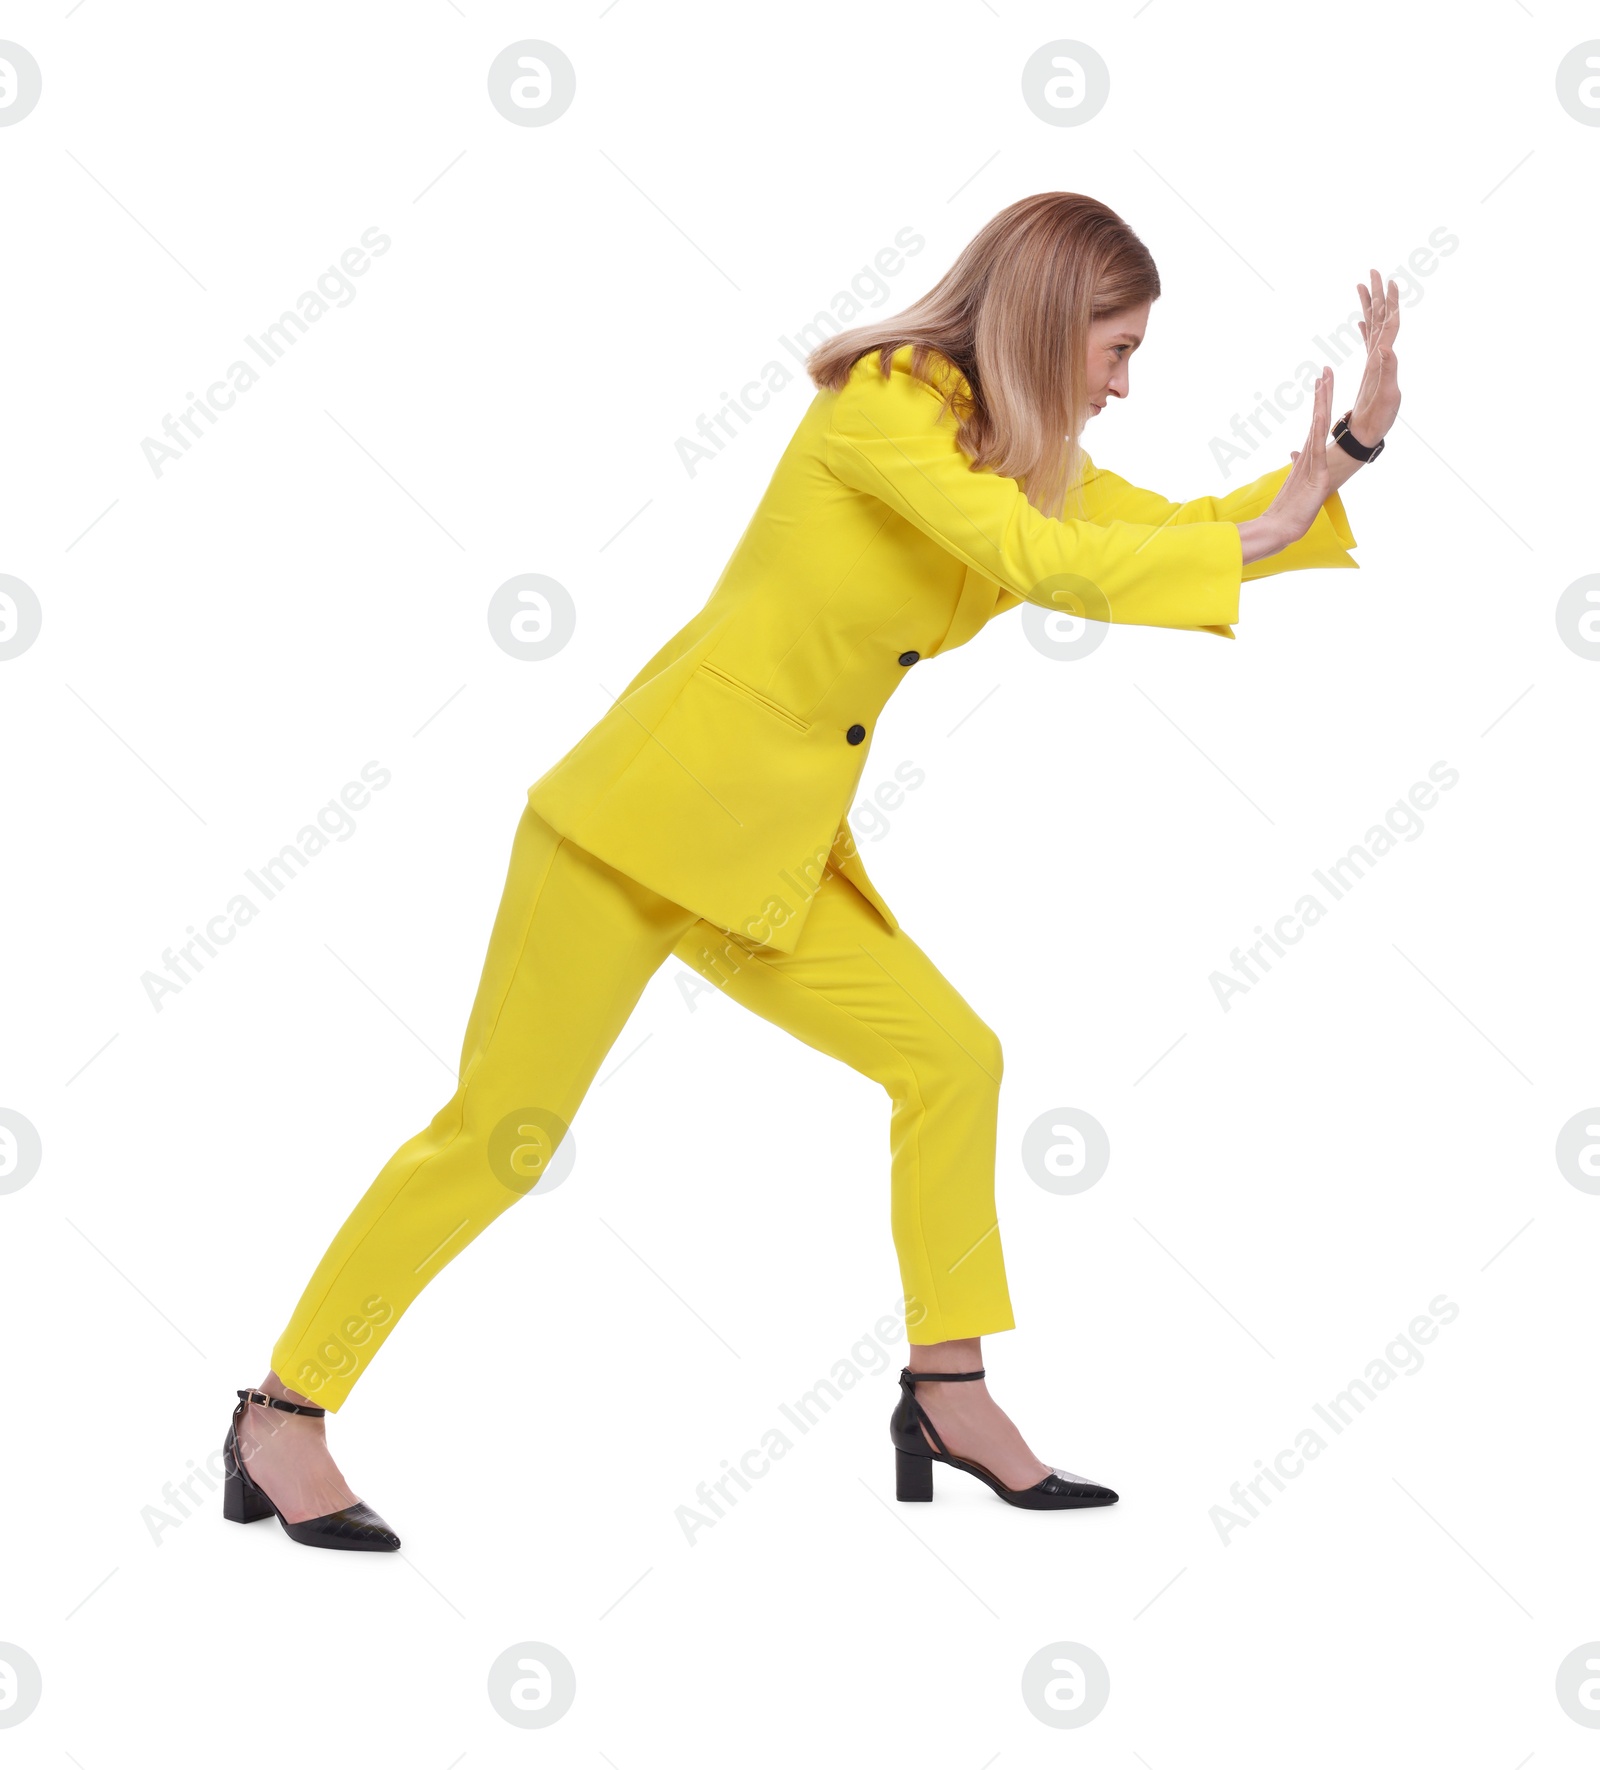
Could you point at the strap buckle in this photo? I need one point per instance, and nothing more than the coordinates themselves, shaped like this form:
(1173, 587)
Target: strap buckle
(246, 1396)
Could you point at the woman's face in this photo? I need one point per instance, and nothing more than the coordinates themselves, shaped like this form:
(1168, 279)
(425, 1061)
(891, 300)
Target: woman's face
(1112, 340)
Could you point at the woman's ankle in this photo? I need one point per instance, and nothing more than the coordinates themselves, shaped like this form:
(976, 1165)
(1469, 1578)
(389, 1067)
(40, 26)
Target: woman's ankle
(272, 1384)
(294, 1434)
(946, 1355)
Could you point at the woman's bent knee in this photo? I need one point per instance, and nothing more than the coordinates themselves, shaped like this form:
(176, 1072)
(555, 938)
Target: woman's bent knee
(969, 1061)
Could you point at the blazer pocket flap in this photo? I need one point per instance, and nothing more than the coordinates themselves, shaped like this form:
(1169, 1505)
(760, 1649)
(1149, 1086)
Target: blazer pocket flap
(740, 686)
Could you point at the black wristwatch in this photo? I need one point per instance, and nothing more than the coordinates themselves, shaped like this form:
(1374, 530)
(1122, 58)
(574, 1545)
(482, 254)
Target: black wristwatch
(1342, 436)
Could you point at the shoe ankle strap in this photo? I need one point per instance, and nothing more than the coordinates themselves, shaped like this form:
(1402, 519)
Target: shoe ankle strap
(908, 1381)
(287, 1407)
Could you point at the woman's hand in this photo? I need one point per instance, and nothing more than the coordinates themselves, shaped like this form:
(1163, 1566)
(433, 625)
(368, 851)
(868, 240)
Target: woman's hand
(1303, 493)
(1377, 403)
(1378, 398)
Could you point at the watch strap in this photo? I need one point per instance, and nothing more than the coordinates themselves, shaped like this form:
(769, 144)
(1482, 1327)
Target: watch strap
(1342, 436)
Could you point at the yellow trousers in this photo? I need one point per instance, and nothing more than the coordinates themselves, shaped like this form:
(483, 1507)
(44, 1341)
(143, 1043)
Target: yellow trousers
(573, 946)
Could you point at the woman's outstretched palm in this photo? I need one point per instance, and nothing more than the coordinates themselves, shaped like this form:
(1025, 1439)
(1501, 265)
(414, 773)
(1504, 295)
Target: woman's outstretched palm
(1306, 489)
(1378, 398)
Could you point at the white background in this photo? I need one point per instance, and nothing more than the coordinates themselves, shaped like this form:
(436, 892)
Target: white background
(1291, 1181)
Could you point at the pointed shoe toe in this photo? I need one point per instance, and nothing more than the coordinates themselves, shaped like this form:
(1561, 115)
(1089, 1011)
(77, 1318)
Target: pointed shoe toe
(352, 1527)
(1062, 1488)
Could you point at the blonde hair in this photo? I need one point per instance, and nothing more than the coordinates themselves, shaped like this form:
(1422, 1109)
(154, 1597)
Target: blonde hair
(1012, 316)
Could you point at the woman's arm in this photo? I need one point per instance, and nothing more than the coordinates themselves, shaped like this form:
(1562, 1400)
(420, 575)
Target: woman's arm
(1108, 497)
(888, 438)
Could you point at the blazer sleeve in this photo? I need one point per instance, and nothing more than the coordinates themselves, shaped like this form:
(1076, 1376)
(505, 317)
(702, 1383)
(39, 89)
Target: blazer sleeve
(1108, 497)
(888, 438)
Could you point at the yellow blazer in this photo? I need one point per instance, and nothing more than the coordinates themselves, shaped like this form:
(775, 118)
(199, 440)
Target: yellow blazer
(722, 775)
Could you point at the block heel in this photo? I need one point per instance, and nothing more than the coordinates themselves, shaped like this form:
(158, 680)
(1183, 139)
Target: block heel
(242, 1501)
(913, 1476)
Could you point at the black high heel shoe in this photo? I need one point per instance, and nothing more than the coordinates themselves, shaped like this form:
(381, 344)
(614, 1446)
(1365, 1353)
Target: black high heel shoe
(243, 1502)
(913, 1461)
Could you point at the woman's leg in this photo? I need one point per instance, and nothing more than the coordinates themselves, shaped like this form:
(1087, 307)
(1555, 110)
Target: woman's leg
(876, 1001)
(573, 945)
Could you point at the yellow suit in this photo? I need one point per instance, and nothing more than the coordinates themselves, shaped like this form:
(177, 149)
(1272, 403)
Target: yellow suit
(722, 775)
(704, 817)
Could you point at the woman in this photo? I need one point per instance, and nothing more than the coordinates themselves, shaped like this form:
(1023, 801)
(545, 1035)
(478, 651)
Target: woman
(704, 815)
